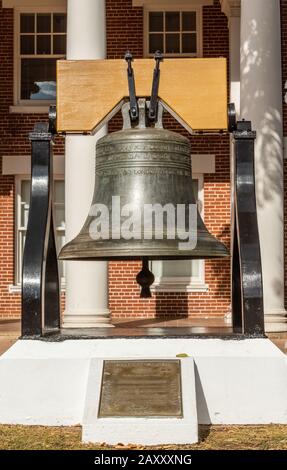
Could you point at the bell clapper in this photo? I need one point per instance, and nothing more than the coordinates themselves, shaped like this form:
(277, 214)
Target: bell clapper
(145, 279)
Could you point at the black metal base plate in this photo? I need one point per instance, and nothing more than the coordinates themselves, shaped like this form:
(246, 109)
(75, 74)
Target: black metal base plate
(134, 333)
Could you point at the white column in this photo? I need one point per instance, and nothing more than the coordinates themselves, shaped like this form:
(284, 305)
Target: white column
(234, 58)
(261, 102)
(86, 282)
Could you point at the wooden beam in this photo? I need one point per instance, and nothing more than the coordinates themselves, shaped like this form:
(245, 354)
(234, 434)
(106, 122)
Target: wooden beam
(88, 91)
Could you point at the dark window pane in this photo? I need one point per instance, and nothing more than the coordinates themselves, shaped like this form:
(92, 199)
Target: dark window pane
(189, 21)
(38, 79)
(156, 21)
(59, 44)
(27, 23)
(59, 23)
(43, 23)
(189, 43)
(27, 44)
(172, 21)
(172, 44)
(155, 43)
(44, 44)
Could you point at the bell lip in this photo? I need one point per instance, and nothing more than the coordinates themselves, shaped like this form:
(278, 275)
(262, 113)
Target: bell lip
(137, 254)
(141, 256)
(150, 258)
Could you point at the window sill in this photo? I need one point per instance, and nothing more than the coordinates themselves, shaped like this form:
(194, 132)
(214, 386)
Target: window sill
(17, 289)
(26, 109)
(179, 287)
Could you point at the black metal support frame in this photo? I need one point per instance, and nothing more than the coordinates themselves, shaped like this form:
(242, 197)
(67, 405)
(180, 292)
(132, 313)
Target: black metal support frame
(40, 278)
(134, 111)
(247, 284)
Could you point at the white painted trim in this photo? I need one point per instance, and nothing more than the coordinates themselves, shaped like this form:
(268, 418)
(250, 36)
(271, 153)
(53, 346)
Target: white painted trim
(21, 165)
(203, 163)
(17, 224)
(175, 284)
(30, 7)
(168, 3)
(16, 288)
(33, 3)
(21, 109)
(172, 6)
(231, 8)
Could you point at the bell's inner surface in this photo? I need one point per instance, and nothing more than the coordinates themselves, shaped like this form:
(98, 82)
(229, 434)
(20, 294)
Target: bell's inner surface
(143, 203)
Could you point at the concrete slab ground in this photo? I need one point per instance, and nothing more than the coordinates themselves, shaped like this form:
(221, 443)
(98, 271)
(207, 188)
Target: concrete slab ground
(10, 327)
(10, 330)
(9, 333)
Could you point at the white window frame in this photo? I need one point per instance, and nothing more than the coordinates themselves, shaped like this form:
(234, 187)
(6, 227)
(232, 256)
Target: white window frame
(18, 258)
(192, 283)
(164, 7)
(29, 105)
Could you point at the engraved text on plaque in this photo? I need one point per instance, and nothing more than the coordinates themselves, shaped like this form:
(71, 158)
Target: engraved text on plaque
(141, 388)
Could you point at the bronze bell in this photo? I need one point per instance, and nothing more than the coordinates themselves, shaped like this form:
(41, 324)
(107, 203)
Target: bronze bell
(137, 167)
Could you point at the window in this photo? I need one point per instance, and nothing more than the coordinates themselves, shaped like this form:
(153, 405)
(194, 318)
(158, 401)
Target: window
(186, 275)
(40, 41)
(174, 32)
(22, 211)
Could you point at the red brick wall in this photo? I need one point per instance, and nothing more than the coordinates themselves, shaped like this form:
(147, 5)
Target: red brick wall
(14, 129)
(124, 291)
(124, 29)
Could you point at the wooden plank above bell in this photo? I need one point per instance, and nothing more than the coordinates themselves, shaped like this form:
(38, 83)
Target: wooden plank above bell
(90, 91)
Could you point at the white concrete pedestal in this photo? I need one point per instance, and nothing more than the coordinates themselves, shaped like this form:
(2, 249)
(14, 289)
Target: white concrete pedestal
(236, 381)
(144, 430)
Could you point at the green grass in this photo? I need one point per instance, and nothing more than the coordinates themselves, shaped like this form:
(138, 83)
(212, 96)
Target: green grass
(271, 437)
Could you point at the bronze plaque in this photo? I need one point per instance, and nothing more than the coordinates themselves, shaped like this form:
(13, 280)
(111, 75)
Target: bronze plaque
(140, 389)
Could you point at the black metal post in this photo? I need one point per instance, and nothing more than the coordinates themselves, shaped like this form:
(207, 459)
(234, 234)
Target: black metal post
(247, 286)
(40, 279)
